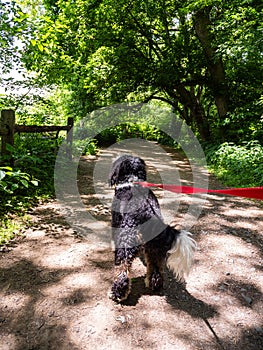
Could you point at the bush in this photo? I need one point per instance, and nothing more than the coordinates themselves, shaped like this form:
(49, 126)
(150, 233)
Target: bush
(15, 189)
(237, 165)
(31, 175)
(133, 130)
(14, 181)
(85, 147)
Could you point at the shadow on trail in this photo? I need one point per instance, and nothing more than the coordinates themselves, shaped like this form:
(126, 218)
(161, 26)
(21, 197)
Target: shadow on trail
(25, 325)
(176, 295)
(250, 339)
(246, 293)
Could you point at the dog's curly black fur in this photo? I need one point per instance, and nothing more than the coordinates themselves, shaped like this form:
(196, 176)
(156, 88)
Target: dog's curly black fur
(138, 227)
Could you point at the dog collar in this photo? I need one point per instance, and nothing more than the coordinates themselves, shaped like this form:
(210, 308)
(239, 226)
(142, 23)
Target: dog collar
(125, 184)
(130, 184)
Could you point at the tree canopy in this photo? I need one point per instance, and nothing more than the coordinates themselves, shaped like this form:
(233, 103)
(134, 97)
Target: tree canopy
(11, 18)
(204, 58)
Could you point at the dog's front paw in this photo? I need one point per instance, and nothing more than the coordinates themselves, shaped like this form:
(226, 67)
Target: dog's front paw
(120, 288)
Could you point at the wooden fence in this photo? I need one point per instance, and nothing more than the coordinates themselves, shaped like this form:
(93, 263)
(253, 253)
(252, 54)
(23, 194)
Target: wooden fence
(8, 128)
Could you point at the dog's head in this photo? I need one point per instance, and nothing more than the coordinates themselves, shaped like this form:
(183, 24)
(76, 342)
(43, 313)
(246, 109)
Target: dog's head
(127, 168)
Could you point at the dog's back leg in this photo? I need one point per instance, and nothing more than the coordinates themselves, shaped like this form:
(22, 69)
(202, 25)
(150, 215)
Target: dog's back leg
(155, 255)
(174, 247)
(155, 263)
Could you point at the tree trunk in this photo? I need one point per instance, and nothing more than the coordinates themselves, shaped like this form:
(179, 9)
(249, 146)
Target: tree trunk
(7, 124)
(190, 102)
(214, 64)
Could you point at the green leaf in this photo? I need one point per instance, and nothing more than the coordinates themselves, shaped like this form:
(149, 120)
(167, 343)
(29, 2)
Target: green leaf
(10, 148)
(34, 182)
(14, 187)
(40, 47)
(2, 174)
(33, 42)
(24, 182)
(6, 168)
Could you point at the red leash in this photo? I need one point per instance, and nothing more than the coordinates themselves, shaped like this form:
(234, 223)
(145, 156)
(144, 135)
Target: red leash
(252, 192)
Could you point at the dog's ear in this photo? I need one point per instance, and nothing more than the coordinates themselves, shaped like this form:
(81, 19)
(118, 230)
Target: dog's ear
(113, 176)
(115, 170)
(139, 169)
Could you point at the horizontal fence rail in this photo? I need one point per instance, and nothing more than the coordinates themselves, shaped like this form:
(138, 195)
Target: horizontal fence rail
(8, 128)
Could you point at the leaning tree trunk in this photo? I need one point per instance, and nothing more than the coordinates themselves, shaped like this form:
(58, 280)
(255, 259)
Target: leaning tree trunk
(191, 101)
(214, 64)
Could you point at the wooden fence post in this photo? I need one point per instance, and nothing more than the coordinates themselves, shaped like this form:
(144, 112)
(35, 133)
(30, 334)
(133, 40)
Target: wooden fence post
(7, 123)
(70, 137)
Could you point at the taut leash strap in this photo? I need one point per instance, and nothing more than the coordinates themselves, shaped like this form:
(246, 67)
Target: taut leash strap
(250, 192)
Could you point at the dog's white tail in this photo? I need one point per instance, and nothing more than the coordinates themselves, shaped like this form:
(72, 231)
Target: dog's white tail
(180, 256)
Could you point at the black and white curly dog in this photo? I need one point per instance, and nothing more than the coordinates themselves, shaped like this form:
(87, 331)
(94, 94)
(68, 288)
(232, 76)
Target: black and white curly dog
(138, 227)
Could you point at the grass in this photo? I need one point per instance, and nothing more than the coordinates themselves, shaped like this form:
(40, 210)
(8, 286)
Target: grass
(237, 165)
(11, 227)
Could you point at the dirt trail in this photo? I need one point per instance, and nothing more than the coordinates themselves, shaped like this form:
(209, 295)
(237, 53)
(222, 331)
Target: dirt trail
(54, 282)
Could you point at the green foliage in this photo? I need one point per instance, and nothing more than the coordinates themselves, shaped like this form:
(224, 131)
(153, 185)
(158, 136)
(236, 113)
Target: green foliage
(36, 153)
(124, 131)
(34, 105)
(237, 165)
(31, 177)
(13, 182)
(42, 107)
(105, 52)
(85, 147)
(11, 227)
(12, 24)
(8, 229)
(16, 190)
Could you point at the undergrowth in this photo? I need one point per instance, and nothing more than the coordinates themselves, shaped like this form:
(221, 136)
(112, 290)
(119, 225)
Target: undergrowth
(133, 130)
(237, 165)
(26, 177)
(27, 173)
(11, 227)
